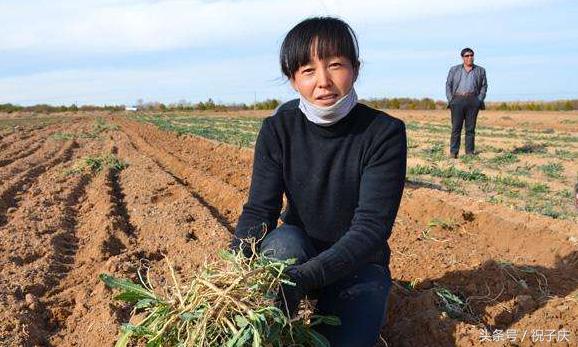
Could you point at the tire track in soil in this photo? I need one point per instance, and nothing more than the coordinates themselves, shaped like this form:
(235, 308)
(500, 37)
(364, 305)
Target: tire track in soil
(221, 198)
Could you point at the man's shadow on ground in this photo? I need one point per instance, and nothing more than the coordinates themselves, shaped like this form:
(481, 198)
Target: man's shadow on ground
(495, 295)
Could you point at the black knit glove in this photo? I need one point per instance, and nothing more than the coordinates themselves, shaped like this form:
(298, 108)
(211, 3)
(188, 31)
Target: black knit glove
(290, 296)
(237, 246)
(242, 239)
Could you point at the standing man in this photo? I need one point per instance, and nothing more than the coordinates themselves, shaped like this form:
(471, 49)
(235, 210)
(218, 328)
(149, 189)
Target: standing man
(466, 88)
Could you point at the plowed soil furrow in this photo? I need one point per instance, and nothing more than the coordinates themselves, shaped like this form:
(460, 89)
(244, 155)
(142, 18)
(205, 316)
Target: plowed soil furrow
(64, 241)
(82, 312)
(129, 218)
(23, 148)
(19, 168)
(21, 154)
(9, 192)
(160, 204)
(34, 265)
(15, 137)
(27, 159)
(231, 164)
(221, 198)
(7, 140)
(51, 259)
(46, 152)
(489, 256)
(4, 145)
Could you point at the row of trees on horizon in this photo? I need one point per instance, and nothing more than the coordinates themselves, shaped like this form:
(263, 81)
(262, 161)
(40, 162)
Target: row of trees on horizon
(270, 104)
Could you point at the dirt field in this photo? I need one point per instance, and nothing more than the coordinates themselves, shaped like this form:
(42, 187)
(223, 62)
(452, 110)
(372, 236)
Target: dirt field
(461, 261)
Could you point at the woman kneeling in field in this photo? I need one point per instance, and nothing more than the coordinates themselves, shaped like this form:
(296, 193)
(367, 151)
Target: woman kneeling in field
(341, 166)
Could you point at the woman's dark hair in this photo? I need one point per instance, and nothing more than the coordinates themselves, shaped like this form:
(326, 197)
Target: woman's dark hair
(332, 37)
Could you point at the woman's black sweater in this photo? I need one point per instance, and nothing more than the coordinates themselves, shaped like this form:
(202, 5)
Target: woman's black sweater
(343, 185)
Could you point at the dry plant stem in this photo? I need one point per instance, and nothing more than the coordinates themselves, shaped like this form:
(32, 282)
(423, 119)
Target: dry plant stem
(175, 282)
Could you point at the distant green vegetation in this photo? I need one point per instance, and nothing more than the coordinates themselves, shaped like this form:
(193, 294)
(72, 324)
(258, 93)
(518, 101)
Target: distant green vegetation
(100, 125)
(239, 131)
(430, 104)
(558, 105)
(436, 152)
(565, 154)
(209, 105)
(404, 103)
(44, 108)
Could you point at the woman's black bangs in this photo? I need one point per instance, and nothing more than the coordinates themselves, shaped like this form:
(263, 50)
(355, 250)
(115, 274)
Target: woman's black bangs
(334, 42)
(323, 37)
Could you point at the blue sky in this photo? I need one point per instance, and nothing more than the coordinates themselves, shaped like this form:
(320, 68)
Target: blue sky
(115, 52)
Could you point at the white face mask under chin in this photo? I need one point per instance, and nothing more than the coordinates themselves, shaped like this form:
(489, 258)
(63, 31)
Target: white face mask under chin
(326, 116)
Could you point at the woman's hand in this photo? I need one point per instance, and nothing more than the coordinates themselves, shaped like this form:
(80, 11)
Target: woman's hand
(290, 296)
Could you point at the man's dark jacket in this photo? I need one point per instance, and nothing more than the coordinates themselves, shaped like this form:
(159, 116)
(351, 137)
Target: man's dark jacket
(453, 80)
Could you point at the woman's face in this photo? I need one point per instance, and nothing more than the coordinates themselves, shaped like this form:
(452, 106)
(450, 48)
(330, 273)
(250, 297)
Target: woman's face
(323, 82)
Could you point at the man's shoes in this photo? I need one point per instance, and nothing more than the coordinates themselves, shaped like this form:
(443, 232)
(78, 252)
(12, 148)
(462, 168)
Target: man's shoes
(453, 156)
(471, 153)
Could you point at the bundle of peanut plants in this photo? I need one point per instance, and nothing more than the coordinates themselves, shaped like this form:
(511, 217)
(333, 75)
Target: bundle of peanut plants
(231, 302)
